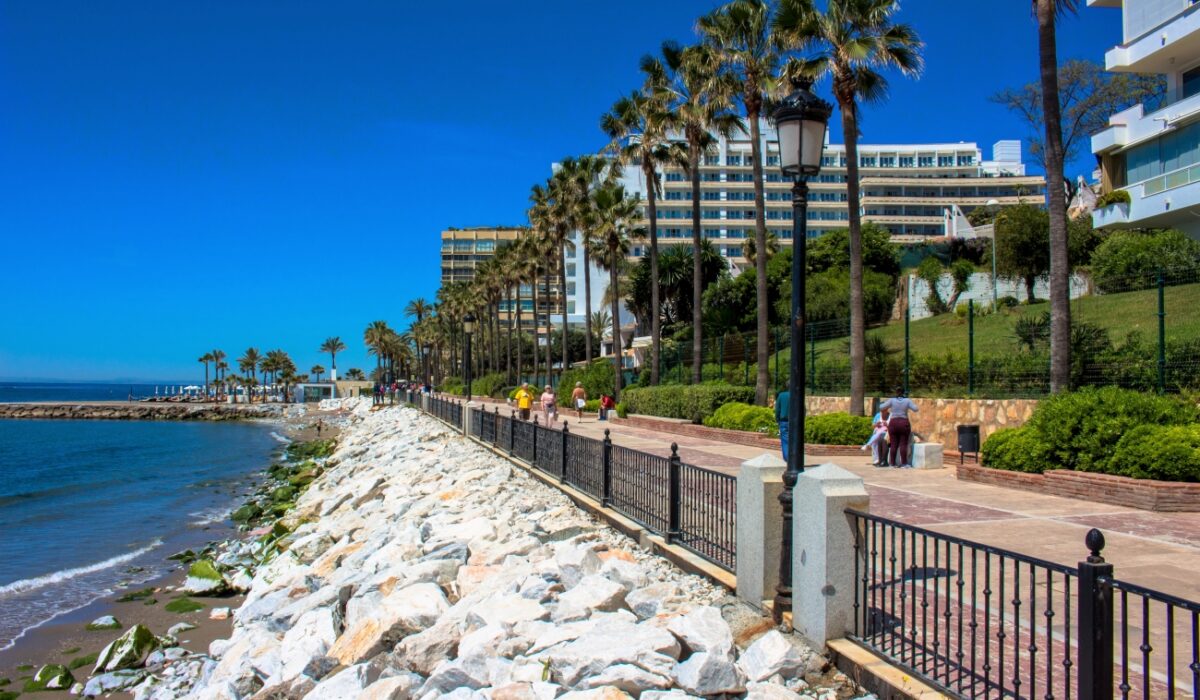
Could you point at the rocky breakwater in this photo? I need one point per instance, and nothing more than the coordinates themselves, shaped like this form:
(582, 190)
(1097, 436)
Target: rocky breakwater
(420, 565)
(138, 411)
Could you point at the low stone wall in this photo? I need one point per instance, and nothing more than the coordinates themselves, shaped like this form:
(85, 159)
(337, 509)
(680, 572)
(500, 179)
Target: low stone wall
(738, 437)
(137, 411)
(937, 420)
(1162, 496)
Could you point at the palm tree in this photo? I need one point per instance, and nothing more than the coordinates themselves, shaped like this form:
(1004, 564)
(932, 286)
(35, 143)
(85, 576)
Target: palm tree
(701, 99)
(541, 221)
(601, 317)
(740, 32)
(614, 211)
(355, 374)
(561, 218)
(374, 337)
(639, 127)
(583, 175)
(332, 345)
(851, 42)
(205, 358)
(1047, 13)
(248, 364)
(750, 249)
(317, 370)
(219, 367)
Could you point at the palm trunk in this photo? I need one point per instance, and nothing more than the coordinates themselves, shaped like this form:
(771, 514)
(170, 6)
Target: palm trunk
(549, 322)
(858, 331)
(205, 381)
(587, 300)
(762, 348)
(655, 314)
(508, 350)
(562, 281)
(520, 354)
(536, 322)
(697, 281)
(1060, 270)
(614, 263)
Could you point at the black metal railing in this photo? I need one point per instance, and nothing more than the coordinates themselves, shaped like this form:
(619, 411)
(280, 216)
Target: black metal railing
(984, 622)
(688, 505)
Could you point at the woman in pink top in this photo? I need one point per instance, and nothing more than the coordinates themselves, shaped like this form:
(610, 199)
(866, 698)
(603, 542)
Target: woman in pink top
(549, 405)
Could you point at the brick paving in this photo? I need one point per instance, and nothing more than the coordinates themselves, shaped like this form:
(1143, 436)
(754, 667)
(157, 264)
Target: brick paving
(1157, 550)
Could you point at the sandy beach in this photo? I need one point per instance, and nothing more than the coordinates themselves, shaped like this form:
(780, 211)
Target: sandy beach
(65, 639)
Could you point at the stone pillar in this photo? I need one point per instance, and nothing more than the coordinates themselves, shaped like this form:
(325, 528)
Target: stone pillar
(823, 552)
(425, 402)
(759, 528)
(466, 423)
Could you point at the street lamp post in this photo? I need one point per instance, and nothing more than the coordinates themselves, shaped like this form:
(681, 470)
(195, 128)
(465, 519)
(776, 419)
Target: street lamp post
(800, 120)
(425, 356)
(468, 329)
(995, 296)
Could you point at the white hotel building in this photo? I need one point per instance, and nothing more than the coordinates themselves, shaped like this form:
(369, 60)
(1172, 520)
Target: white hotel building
(1155, 156)
(917, 191)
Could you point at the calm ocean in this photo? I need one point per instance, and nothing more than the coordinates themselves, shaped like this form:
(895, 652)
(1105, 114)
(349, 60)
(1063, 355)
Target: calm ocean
(86, 506)
(20, 392)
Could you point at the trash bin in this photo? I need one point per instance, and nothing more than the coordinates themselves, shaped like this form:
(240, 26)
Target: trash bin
(968, 441)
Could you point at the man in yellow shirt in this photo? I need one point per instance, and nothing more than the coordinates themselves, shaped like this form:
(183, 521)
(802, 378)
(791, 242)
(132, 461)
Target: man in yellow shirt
(524, 400)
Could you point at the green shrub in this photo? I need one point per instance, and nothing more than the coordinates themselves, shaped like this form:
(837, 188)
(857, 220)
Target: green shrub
(1130, 260)
(695, 402)
(597, 378)
(837, 429)
(622, 409)
(1114, 197)
(1016, 449)
(741, 416)
(1081, 427)
(1166, 452)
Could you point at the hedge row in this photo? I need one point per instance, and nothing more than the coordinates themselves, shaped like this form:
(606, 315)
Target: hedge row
(694, 402)
(1108, 431)
(741, 416)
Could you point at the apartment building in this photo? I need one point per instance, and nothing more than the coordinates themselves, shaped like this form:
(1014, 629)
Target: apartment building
(1154, 156)
(910, 189)
(464, 249)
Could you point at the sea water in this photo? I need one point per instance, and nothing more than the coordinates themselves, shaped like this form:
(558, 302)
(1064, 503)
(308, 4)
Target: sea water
(22, 392)
(90, 506)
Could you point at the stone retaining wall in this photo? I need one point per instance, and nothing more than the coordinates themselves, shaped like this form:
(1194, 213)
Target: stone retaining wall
(937, 420)
(136, 411)
(1163, 496)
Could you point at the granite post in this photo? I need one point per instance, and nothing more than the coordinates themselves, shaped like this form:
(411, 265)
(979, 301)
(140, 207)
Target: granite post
(759, 521)
(823, 552)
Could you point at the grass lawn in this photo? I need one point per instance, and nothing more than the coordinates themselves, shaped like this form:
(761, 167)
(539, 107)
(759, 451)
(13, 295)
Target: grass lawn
(1118, 313)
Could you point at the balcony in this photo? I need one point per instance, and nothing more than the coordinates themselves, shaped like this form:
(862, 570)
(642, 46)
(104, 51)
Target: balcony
(1159, 49)
(1112, 216)
(1134, 126)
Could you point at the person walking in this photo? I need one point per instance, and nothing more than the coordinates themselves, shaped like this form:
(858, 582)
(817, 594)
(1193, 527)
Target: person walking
(579, 399)
(781, 418)
(549, 405)
(899, 429)
(524, 400)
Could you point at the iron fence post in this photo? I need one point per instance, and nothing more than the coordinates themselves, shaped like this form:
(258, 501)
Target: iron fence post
(495, 424)
(674, 496)
(533, 453)
(512, 431)
(970, 347)
(606, 471)
(1095, 622)
(562, 462)
(1162, 334)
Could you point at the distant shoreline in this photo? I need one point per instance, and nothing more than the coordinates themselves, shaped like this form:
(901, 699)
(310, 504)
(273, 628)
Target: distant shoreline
(136, 410)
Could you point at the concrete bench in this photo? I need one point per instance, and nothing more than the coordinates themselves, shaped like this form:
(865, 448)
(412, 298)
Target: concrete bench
(927, 455)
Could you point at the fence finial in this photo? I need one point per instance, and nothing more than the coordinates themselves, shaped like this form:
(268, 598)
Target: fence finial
(1095, 543)
(565, 427)
(606, 434)
(674, 449)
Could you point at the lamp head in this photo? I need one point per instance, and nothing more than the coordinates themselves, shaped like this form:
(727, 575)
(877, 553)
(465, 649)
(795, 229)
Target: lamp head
(800, 120)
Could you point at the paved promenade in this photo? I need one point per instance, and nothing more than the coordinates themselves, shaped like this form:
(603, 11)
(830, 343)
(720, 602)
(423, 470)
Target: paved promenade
(1159, 550)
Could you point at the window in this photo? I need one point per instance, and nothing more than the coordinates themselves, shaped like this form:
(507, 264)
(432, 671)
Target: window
(773, 160)
(674, 176)
(571, 270)
(966, 160)
(712, 159)
(945, 161)
(735, 159)
(925, 162)
(711, 196)
(887, 161)
(464, 246)
(710, 214)
(1178, 149)
(710, 177)
(733, 251)
(866, 161)
(827, 161)
(907, 161)
(1190, 84)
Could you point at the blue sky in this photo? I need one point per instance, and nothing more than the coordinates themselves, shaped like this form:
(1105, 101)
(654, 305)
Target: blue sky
(176, 177)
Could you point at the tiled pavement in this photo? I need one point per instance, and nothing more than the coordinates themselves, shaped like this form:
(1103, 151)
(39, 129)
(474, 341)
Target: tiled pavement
(1157, 550)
